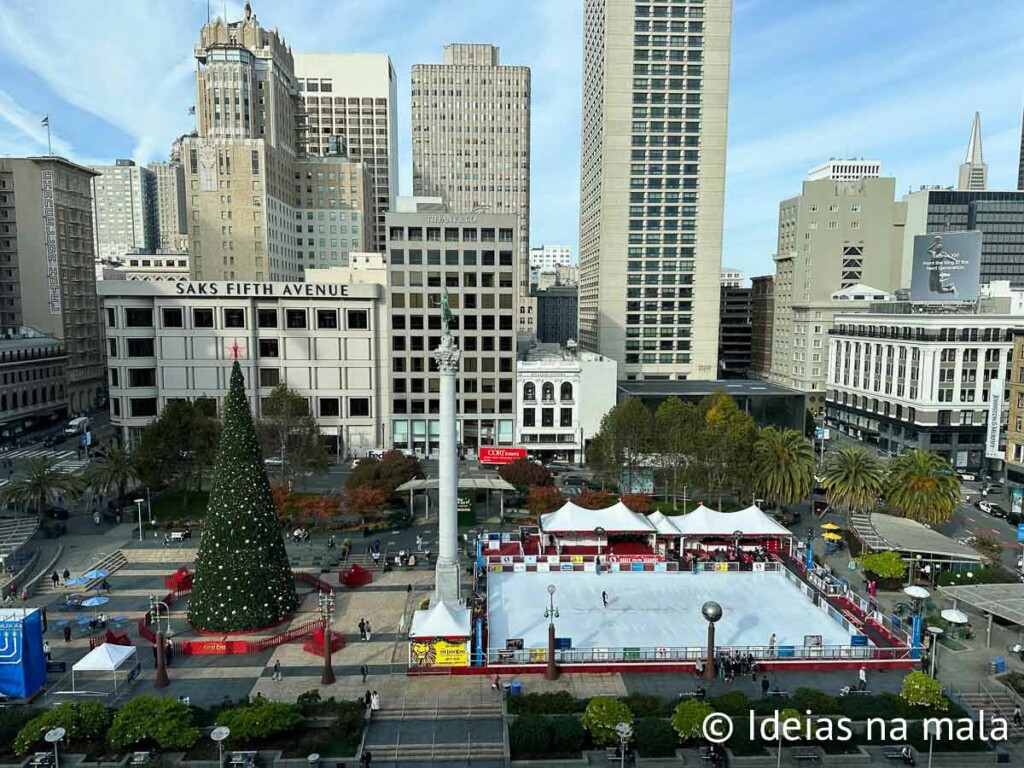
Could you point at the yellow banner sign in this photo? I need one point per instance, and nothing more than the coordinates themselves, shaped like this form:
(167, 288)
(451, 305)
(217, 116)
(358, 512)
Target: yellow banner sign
(439, 653)
(538, 654)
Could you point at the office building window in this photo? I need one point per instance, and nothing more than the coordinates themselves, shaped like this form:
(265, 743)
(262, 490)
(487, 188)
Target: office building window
(234, 318)
(138, 317)
(358, 319)
(295, 318)
(359, 406)
(327, 318)
(202, 318)
(266, 318)
(269, 348)
(173, 317)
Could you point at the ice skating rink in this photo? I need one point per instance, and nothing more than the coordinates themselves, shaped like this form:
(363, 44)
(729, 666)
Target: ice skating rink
(652, 610)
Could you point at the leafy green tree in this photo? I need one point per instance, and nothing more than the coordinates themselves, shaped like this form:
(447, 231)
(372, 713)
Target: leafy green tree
(633, 430)
(593, 500)
(289, 432)
(242, 578)
(83, 721)
(364, 502)
(178, 446)
(40, 484)
(542, 499)
(783, 465)
(810, 424)
(725, 446)
(989, 547)
(638, 502)
(523, 473)
(261, 719)
(115, 470)
(601, 457)
(654, 737)
(603, 713)
(677, 428)
(164, 723)
(922, 486)
(921, 690)
(385, 475)
(688, 718)
(853, 479)
(885, 565)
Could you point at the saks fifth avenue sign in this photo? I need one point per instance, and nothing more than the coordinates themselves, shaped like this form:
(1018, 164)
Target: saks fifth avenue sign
(303, 290)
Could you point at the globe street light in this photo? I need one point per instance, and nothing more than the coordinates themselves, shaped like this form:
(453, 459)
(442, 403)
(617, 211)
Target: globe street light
(551, 613)
(325, 605)
(936, 633)
(737, 535)
(711, 611)
(218, 735)
(624, 731)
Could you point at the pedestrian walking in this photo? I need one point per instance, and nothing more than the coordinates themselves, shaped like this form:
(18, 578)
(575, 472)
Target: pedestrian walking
(67, 575)
(364, 672)
(765, 685)
(367, 700)
(49, 655)
(168, 653)
(873, 588)
(1017, 717)
(369, 632)
(277, 671)
(362, 629)
(698, 669)
(67, 633)
(771, 645)
(604, 599)
(55, 578)
(862, 679)
(374, 703)
(105, 586)
(496, 683)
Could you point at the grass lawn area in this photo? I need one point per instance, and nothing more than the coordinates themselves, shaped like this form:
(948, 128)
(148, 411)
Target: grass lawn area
(171, 505)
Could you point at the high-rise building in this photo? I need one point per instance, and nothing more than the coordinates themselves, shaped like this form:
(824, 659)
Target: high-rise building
(240, 168)
(835, 235)
(471, 142)
(171, 210)
(652, 183)
(852, 169)
(734, 332)
(124, 210)
(547, 257)
(326, 236)
(732, 278)
(473, 256)
(49, 280)
(557, 309)
(999, 216)
(762, 319)
(973, 173)
(350, 108)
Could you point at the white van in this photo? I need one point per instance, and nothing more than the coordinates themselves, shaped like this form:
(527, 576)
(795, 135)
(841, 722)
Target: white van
(77, 426)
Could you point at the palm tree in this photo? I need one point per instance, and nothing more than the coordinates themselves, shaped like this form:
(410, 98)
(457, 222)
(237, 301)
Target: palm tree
(853, 479)
(41, 483)
(923, 487)
(117, 469)
(783, 465)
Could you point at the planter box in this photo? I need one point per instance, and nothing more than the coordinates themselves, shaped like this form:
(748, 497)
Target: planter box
(567, 763)
(861, 757)
(769, 760)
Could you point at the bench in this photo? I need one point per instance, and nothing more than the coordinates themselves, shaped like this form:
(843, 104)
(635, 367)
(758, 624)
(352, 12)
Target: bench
(778, 693)
(805, 754)
(613, 755)
(242, 759)
(896, 753)
(141, 758)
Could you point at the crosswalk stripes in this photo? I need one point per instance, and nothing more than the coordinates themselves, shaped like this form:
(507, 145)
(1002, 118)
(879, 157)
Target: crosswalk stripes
(70, 466)
(37, 453)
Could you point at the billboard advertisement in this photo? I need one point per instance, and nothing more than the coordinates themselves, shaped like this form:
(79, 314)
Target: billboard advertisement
(490, 454)
(995, 420)
(1017, 501)
(22, 665)
(947, 267)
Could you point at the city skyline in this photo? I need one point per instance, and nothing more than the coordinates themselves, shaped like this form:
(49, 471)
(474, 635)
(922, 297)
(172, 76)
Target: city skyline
(814, 101)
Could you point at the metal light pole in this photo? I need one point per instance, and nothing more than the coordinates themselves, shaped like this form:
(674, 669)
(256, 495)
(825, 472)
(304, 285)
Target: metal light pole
(737, 535)
(712, 612)
(599, 532)
(218, 735)
(551, 613)
(625, 732)
(53, 736)
(936, 633)
(325, 604)
(138, 503)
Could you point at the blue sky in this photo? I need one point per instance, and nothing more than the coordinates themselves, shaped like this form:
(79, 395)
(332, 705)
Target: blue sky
(810, 79)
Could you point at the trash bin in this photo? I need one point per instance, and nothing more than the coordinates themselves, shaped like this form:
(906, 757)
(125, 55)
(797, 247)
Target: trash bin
(1000, 665)
(516, 688)
(313, 760)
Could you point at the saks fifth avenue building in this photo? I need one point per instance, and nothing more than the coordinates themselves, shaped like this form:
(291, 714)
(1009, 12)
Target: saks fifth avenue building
(326, 340)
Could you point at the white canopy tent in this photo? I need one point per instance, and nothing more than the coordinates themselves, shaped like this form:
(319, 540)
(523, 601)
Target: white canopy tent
(441, 620)
(664, 525)
(617, 519)
(106, 658)
(704, 521)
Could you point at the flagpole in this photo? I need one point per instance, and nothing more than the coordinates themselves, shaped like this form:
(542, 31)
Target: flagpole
(49, 144)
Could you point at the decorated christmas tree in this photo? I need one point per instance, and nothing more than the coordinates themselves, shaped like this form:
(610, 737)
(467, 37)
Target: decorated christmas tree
(242, 577)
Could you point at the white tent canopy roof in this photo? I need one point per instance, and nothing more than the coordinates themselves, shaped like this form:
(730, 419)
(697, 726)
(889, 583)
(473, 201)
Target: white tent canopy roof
(441, 620)
(104, 658)
(573, 519)
(704, 521)
(664, 524)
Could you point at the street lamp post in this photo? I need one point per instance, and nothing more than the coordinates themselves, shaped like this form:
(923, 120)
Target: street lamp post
(935, 632)
(160, 680)
(599, 532)
(325, 604)
(218, 735)
(138, 503)
(625, 732)
(737, 535)
(53, 736)
(712, 612)
(551, 613)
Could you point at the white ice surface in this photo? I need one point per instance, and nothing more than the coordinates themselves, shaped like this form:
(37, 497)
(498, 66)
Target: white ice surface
(651, 610)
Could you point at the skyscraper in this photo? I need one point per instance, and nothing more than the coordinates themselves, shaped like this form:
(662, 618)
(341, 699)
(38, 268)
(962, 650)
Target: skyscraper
(973, 174)
(349, 104)
(471, 142)
(171, 214)
(239, 169)
(124, 210)
(652, 183)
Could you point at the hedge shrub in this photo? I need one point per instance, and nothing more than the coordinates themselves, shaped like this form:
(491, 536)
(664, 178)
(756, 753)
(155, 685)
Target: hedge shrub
(559, 703)
(529, 734)
(603, 713)
(818, 702)
(259, 720)
(645, 705)
(567, 734)
(84, 721)
(654, 737)
(148, 721)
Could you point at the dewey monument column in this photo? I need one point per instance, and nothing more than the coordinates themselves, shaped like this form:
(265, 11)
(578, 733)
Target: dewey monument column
(446, 586)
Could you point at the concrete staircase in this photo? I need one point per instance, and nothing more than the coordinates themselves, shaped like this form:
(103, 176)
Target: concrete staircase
(442, 712)
(439, 752)
(413, 736)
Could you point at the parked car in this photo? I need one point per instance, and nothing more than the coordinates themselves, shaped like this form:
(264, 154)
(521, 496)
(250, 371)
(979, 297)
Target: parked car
(983, 505)
(54, 439)
(997, 511)
(967, 477)
(55, 513)
(574, 480)
(571, 491)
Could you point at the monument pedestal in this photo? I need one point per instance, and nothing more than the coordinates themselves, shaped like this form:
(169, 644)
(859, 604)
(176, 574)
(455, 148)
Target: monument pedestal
(447, 587)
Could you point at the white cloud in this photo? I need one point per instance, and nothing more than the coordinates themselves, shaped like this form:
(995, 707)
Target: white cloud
(30, 127)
